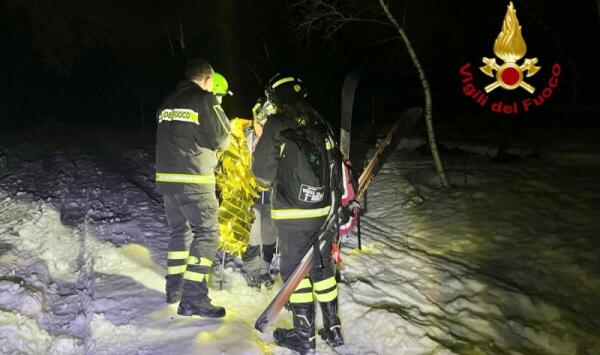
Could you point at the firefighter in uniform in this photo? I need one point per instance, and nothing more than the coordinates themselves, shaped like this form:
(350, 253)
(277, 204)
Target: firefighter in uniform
(300, 206)
(192, 127)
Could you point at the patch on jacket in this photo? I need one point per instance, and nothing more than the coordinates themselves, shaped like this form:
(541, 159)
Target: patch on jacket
(311, 194)
(178, 114)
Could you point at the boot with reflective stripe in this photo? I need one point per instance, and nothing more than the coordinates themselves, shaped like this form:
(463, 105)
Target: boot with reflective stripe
(301, 338)
(195, 301)
(176, 266)
(332, 329)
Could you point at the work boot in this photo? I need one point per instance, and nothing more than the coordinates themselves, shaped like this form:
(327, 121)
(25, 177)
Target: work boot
(256, 273)
(267, 280)
(195, 301)
(332, 329)
(258, 281)
(174, 288)
(301, 338)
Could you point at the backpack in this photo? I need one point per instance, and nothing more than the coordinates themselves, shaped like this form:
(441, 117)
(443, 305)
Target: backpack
(347, 209)
(323, 155)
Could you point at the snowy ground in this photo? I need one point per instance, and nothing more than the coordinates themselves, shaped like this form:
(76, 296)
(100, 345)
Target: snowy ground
(506, 262)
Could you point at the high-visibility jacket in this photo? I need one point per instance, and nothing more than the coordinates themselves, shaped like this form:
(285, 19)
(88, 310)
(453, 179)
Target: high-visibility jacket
(278, 162)
(191, 128)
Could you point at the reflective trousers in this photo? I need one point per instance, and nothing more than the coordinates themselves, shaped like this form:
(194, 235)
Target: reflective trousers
(191, 217)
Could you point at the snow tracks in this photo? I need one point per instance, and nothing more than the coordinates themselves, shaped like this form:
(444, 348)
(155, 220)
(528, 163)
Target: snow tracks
(501, 265)
(65, 277)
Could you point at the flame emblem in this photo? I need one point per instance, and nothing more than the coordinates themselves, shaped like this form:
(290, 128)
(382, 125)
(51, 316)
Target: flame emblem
(510, 47)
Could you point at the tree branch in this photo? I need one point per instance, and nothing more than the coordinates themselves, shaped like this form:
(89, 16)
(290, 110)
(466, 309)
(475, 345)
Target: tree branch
(328, 18)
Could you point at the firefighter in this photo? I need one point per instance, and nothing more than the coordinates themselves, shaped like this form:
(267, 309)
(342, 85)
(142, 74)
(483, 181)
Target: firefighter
(220, 87)
(192, 127)
(289, 158)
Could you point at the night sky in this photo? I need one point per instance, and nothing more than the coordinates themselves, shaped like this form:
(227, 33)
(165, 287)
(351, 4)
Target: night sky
(109, 63)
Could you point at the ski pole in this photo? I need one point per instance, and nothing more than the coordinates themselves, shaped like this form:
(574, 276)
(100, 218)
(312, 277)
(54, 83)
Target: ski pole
(222, 272)
(358, 230)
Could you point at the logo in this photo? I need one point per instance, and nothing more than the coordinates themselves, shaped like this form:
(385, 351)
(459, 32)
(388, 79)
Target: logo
(311, 194)
(511, 73)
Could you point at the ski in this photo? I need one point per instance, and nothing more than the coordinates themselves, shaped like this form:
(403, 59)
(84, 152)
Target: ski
(347, 104)
(401, 128)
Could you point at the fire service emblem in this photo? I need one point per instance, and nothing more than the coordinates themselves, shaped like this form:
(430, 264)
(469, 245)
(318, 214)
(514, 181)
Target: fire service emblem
(510, 74)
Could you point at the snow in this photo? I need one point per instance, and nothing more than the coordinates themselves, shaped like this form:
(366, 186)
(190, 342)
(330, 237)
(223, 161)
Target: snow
(505, 262)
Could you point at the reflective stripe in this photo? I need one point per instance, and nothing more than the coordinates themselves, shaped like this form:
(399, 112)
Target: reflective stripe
(185, 178)
(304, 297)
(305, 283)
(298, 213)
(173, 270)
(325, 284)
(178, 114)
(176, 255)
(194, 276)
(281, 148)
(327, 297)
(255, 109)
(327, 144)
(222, 117)
(282, 81)
(192, 260)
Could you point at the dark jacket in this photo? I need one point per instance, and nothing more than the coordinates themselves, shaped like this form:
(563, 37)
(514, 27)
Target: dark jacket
(279, 162)
(191, 128)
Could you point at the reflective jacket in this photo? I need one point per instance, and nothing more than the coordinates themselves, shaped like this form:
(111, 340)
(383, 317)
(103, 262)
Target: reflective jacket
(279, 162)
(191, 128)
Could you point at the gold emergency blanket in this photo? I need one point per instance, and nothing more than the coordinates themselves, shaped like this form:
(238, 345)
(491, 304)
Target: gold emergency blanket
(238, 191)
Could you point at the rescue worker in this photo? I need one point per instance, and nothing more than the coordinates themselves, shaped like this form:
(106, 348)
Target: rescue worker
(301, 204)
(220, 87)
(192, 127)
(261, 247)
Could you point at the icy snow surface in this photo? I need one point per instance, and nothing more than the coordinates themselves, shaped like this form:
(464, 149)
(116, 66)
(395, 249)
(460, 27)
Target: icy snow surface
(506, 262)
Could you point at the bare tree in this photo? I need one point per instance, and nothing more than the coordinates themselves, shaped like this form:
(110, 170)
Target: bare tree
(329, 16)
(181, 36)
(427, 92)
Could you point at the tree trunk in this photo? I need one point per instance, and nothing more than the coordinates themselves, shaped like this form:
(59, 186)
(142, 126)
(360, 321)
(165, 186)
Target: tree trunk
(170, 42)
(427, 91)
(181, 37)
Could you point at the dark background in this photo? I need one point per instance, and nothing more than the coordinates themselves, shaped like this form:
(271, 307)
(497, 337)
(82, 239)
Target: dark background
(109, 63)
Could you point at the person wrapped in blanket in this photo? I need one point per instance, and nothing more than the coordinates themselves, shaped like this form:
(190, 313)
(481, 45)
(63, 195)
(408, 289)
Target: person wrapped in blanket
(245, 222)
(261, 247)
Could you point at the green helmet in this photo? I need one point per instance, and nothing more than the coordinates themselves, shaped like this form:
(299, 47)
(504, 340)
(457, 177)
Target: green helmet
(220, 86)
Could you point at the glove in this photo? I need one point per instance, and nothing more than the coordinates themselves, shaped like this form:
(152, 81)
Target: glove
(262, 110)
